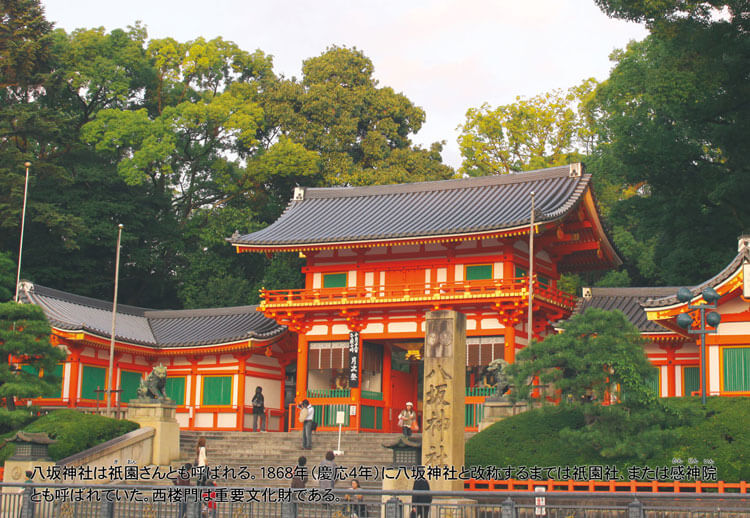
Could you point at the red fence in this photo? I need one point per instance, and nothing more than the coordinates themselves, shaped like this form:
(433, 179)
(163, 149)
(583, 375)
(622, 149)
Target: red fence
(611, 486)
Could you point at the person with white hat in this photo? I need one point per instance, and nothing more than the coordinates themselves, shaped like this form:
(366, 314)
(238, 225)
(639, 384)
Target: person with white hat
(407, 419)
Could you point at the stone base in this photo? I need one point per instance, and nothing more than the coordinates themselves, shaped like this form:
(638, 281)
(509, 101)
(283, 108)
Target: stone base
(15, 471)
(160, 416)
(464, 507)
(395, 484)
(495, 411)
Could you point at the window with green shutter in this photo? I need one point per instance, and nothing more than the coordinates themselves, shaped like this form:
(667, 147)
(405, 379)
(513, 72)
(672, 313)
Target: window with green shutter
(691, 380)
(91, 379)
(175, 389)
(653, 382)
(737, 369)
(334, 280)
(58, 373)
(129, 382)
(217, 390)
(520, 272)
(544, 282)
(479, 272)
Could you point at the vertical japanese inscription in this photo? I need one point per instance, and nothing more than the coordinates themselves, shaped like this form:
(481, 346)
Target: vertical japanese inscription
(443, 397)
(354, 359)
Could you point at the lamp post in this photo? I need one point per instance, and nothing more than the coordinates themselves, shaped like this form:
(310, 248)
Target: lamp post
(531, 272)
(114, 321)
(23, 224)
(685, 320)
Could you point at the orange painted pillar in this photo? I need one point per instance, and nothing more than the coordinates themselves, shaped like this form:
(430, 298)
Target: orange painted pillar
(75, 375)
(241, 391)
(387, 387)
(302, 353)
(510, 344)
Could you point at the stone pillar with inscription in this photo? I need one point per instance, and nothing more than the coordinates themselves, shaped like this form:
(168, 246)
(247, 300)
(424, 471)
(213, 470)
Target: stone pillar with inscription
(443, 438)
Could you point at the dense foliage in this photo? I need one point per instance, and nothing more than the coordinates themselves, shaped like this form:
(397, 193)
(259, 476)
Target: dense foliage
(183, 143)
(713, 436)
(74, 432)
(25, 337)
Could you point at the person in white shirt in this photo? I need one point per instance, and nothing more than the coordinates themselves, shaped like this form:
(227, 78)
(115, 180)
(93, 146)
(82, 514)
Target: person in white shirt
(306, 416)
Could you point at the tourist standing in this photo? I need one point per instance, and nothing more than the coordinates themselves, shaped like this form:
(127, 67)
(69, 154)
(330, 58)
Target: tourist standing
(201, 460)
(307, 418)
(357, 508)
(327, 472)
(407, 419)
(259, 410)
(182, 480)
(421, 503)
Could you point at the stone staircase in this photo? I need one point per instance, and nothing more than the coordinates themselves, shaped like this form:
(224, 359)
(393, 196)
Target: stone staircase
(264, 453)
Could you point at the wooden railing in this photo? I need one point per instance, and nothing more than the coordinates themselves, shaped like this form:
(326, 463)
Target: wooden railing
(413, 293)
(614, 486)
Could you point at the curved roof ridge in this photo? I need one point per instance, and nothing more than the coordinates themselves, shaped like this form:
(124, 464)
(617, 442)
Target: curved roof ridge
(437, 185)
(154, 328)
(742, 256)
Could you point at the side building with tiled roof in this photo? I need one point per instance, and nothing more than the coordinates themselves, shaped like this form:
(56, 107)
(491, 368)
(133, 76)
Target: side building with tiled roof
(685, 364)
(215, 358)
(379, 258)
(675, 355)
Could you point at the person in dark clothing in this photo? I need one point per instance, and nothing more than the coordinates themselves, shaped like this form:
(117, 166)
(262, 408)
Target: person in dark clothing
(259, 410)
(299, 481)
(421, 503)
(356, 508)
(183, 479)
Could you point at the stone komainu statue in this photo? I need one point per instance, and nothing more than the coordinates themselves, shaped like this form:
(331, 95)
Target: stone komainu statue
(152, 387)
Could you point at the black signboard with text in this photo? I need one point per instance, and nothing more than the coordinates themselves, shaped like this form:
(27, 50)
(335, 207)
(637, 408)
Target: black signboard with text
(353, 359)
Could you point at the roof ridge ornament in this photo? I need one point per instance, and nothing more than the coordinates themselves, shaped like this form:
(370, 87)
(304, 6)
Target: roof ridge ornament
(743, 242)
(576, 170)
(299, 194)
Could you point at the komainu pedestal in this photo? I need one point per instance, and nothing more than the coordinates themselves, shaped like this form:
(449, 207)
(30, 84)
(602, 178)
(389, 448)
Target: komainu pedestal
(161, 416)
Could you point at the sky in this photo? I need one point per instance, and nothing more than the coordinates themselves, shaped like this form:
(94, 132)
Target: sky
(446, 56)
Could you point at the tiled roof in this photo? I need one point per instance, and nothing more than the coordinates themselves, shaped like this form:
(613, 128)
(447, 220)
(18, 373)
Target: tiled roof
(671, 298)
(629, 301)
(426, 209)
(155, 328)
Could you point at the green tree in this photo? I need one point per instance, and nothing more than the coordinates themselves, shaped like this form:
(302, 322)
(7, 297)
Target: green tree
(674, 120)
(597, 351)
(600, 352)
(550, 129)
(361, 131)
(26, 352)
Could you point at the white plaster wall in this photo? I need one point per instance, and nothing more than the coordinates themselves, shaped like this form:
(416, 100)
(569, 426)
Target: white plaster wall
(733, 306)
(318, 330)
(373, 328)
(271, 390)
(492, 323)
(227, 358)
(442, 274)
(208, 359)
(88, 351)
(183, 420)
(235, 389)
(317, 283)
(497, 270)
(188, 398)
(103, 354)
(262, 359)
(66, 380)
(180, 361)
(714, 368)
(402, 327)
(471, 324)
(126, 358)
(543, 255)
(339, 329)
(351, 278)
(458, 272)
(521, 245)
(369, 278)
(198, 382)
(663, 381)
(204, 420)
(678, 382)
(734, 328)
(139, 360)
